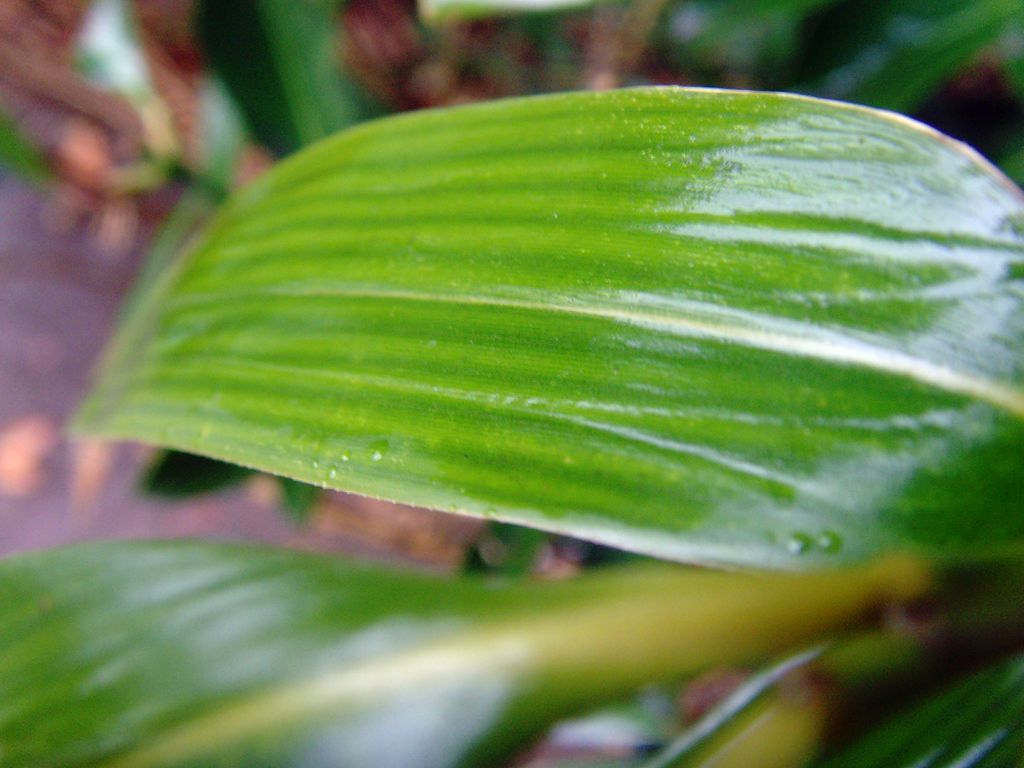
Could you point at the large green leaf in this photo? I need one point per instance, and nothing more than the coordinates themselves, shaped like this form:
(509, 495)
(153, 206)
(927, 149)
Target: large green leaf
(714, 326)
(175, 654)
(894, 53)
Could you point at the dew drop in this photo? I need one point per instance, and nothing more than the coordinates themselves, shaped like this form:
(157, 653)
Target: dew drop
(799, 543)
(316, 464)
(345, 456)
(332, 473)
(377, 449)
(830, 541)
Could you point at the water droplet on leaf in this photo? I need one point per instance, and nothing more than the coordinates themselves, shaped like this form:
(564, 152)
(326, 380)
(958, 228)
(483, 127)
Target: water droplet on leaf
(377, 449)
(830, 541)
(799, 543)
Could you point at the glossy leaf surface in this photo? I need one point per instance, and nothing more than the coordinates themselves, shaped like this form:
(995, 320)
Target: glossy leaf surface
(175, 654)
(714, 326)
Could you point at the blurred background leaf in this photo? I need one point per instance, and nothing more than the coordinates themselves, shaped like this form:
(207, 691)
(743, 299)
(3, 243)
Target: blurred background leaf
(176, 474)
(18, 156)
(281, 60)
(438, 10)
(894, 53)
(977, 723)
(224, 137)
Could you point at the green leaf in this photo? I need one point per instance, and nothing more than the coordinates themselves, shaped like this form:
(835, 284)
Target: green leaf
(18, 155)
(1013, 165)
(193, 209)
(223, 137)
(179, 475)
(510, 550)
(438, 10)
(298, 499)
(723, 23)
(1008, 145)
(1012, 49)
(728, 41)
(279, 60)
(976, 724)
(722, 327)
(188, 653)
(688, 748)
(894, 53)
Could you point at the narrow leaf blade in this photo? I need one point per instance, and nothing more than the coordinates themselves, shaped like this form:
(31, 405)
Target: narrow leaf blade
(279, 59)
(714, 326)
(978, 723)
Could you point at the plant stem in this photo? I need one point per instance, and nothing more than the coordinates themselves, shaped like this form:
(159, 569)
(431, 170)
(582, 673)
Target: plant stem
(787, 715)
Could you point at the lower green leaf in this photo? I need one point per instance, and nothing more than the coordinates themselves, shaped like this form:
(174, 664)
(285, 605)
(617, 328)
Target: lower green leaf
(175, 654)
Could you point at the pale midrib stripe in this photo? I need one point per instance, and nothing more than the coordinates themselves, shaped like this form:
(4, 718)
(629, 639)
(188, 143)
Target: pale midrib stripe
(477, 653)
(841, 350)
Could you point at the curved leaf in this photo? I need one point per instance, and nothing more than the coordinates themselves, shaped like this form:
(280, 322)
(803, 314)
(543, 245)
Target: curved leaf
(976, 724)
(173, 653)
(714, 326)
